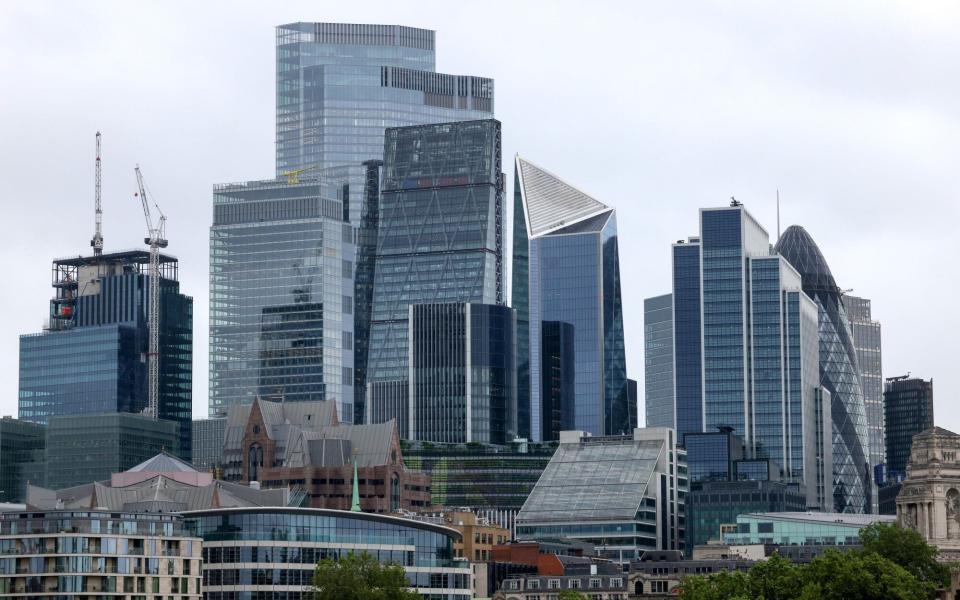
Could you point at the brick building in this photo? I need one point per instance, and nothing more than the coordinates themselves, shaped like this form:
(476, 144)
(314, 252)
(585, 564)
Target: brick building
(301, 445)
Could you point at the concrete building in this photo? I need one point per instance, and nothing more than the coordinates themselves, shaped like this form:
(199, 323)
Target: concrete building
(660, 573)
(623, 494)
(301, 445)
(596, 580)
(480, 535)
(929, 500)
(908, 410)
(273, 552)
(98, 554)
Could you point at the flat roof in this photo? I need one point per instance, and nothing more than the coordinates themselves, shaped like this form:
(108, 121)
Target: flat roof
(135, 256)
(824, 518)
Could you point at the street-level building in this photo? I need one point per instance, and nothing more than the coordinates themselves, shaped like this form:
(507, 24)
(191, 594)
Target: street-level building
(256, 552)
(801, 528)
(98, 554)
(623, 494)
(597, 580)
(660, 573)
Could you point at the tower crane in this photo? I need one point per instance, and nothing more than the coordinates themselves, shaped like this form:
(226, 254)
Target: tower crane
(156, 240)
(97, 241)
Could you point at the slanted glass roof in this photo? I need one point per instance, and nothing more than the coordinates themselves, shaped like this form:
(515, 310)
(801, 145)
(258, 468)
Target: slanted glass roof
(550, 202)
(592, 481)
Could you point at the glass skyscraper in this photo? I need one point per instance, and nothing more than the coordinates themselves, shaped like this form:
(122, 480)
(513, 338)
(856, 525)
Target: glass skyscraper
(746, 345)
(866, 339)
(92, 356)
(839, 373)
(440, 239)
(574, 278)
(281, 293)
(908, 408)
(658, 361)
(462, 373)
(339, 86)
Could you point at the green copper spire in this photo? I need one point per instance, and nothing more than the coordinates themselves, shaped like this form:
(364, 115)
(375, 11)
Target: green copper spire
(355, 506)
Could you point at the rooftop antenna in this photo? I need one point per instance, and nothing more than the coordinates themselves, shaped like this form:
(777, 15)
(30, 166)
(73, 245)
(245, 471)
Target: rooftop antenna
(778, 213)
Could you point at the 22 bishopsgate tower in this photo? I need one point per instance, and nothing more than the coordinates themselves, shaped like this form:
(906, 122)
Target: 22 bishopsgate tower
(291, 258)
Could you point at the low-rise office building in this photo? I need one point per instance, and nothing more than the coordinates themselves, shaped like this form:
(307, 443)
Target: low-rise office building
(97, 554)
(802, 528)
(265, 552)
(660, 573)
(594, 579)
(480, 536)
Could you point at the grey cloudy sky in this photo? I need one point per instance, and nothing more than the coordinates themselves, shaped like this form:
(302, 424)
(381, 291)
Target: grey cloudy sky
(852, 109)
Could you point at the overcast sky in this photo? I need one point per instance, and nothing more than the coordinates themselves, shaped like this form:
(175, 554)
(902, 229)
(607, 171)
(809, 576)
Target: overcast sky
(852, 111)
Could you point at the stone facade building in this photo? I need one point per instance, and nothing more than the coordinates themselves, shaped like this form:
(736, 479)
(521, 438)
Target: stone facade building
(301, 446)
(929, 501)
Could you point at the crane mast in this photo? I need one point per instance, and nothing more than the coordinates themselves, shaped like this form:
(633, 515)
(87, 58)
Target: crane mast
(97, 241)
(155, 239)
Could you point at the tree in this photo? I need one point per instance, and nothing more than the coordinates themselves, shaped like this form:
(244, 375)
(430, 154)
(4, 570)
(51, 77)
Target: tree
(908, 549)
(360, 577)
(571, 595)
(857, 575)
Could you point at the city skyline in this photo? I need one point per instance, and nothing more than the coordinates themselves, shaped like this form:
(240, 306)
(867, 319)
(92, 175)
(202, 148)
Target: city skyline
(51, 170)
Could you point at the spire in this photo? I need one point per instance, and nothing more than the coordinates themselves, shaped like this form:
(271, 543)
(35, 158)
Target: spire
(355, 505)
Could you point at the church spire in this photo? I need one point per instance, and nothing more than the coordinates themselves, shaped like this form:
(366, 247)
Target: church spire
(355, 505)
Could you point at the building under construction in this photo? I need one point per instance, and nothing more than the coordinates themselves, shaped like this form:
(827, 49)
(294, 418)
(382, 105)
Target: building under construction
(92, 356)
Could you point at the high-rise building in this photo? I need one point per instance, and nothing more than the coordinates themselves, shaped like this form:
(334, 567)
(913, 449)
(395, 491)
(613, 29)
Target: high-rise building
(21, 457)
(91, 357)
(440, 241)
(866, 339)
(746, 345)
(462, 373)
(208, 437)
(281, 293)
(658, 361)
(85, 448)
(624, 494)
(908, 409)
(574, 278)
(839, 373)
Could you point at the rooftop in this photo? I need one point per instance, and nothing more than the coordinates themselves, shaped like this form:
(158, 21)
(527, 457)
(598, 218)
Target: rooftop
(823, 518)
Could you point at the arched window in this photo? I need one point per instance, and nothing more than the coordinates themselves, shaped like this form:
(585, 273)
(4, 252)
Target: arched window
(254, 461)
(394, 492)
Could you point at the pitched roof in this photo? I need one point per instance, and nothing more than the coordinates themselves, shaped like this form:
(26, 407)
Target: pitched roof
(935, 431)
(163, 463)
(551, 203)
(340, 445)
(280, 418)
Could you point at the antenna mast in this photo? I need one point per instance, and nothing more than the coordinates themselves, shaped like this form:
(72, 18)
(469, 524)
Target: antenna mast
(778, 213)
(97, 241)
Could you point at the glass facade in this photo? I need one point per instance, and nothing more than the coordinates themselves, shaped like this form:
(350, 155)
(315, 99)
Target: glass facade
(91, 358)
(440, 240)
(866, 339)
(801, 529)
(520, 302)
(462, 373)
(658, 361)
(281, 293)
(687, 342)
(711, 456)
(574, 278)
(273, 552)
(208, 438)
(97, 555)
(720, 503)
(85, 448)
(839, 373)
(558, 378)
(623, 494)
(908, 405)
(21, 457)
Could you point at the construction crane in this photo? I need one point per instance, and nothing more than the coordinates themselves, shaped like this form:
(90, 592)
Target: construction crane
(293, 177)
(156, 240)
(97, 241)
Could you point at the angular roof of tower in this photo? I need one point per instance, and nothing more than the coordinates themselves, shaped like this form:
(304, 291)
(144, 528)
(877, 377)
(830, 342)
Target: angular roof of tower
(163, 463)
(551, 203)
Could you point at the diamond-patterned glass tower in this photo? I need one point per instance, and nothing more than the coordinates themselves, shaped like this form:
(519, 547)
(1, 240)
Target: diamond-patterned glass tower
(440, 240)
(839, 372)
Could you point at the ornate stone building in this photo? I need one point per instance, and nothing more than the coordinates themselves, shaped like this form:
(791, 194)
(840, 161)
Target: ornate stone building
(929, 502)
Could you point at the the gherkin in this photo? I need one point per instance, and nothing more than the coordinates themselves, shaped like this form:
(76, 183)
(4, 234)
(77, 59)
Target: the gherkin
(839, 372)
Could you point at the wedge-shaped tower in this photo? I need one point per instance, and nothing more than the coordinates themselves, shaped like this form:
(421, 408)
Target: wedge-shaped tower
(566, 245)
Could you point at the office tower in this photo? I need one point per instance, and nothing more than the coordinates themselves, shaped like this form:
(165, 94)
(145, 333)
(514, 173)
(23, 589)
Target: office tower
(21, 457)
(658, 361)
(91, 447)
(462, 373)
(624, 494)
(281, 292)
(908, 410)
(440, 240)
(91, 357)
(839, 372)
(752, 350)
(632, 407)
(208, 436)
(520, 302)
(558, 368)
(363, 284)
(340, 84)
(866, 339)
(574, 277)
